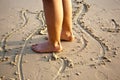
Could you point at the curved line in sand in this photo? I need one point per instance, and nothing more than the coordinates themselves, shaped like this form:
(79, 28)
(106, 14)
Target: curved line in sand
(19, 64)
(61, 69)
(25, 21)
(84, 43)
(79, 16)
(4, 40)
(116, 28)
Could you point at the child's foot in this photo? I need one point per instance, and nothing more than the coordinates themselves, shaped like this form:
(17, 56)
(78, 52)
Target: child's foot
(67, 36)
(46, 47)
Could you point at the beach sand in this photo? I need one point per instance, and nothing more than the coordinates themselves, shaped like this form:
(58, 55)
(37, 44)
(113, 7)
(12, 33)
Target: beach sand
(93, 55)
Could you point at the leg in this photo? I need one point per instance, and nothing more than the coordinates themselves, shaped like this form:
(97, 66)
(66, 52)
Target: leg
(66, 33)
(54, 18)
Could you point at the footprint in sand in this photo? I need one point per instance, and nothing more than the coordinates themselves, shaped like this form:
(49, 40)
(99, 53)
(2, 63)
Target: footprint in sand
(101, 76)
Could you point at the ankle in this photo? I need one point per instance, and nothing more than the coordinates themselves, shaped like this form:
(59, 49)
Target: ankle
(56, 45)
(66, 33)
(67, 36)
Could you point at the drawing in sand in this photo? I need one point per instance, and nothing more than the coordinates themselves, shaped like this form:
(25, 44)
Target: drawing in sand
(94, 54)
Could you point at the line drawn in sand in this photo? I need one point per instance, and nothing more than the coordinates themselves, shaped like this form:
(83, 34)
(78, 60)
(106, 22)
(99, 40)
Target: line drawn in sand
(80, 36)
(40, 17)
(64, 62)
(4, 40)
(78, 21)
(18, 58)
(115, 29)
(19, 64)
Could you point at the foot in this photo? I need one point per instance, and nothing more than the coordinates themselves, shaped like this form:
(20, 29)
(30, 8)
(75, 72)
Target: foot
(67, 36)
(46, 47)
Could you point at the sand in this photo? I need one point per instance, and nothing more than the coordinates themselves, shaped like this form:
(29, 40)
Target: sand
(94, 55)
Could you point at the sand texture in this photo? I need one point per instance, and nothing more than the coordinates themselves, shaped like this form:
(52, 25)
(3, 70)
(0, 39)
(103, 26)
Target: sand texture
(93, 55)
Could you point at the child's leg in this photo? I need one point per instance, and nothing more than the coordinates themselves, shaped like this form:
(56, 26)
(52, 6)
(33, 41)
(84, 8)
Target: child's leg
(54, 18)
(67, 21)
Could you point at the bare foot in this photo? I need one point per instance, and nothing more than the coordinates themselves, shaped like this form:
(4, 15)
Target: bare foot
(67, 36)
(46, 47)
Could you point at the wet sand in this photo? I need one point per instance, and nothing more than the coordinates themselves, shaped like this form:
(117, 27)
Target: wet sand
(94, 56)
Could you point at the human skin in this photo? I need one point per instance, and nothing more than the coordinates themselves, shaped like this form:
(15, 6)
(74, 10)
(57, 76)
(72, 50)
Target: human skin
(58, 14)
